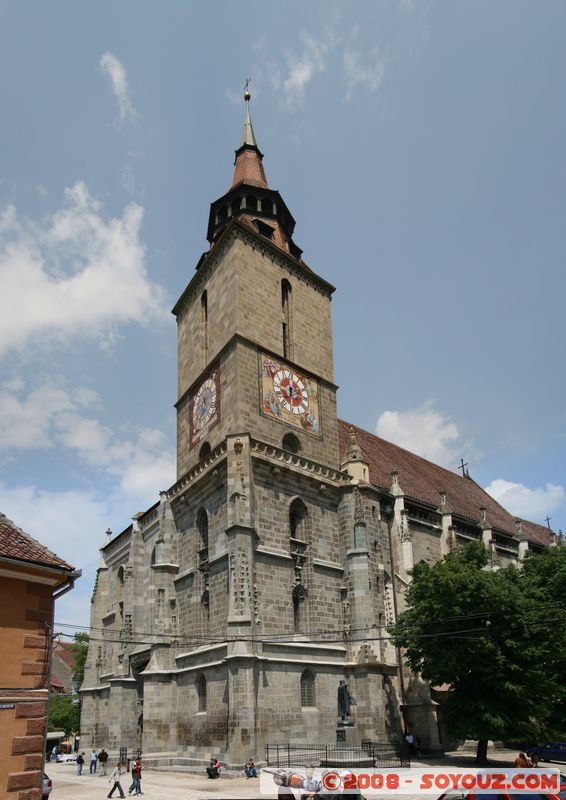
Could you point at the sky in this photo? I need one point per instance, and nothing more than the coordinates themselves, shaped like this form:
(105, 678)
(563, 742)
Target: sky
(418, 144)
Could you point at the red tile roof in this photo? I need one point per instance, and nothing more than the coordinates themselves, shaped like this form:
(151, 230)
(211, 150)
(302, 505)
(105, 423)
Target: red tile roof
(422, 480)
(16, 544)
(249, 169)
(64, 652)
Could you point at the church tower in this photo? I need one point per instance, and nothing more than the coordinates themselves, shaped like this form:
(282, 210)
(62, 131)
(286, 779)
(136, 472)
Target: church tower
(254, 329)
(241, 599)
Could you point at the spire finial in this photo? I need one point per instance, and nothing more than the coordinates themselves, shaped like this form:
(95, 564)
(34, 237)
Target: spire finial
(248, 137)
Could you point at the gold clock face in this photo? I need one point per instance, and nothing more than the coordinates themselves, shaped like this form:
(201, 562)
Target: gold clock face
(288, 396)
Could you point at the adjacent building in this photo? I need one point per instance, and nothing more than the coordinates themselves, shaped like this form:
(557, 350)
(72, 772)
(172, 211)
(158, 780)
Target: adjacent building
(228, 613)
(31, 579)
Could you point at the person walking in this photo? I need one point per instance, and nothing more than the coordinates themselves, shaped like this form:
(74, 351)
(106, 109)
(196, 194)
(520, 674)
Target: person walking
(115, 780)
(136, 778)
(103, 760)
(80, 763)
(93, 760)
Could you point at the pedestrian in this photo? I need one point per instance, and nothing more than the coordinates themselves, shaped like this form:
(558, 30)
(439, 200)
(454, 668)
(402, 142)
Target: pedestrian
(534, 759)
(103, 760)
(136, 778)
(522, 762)
(93, 760)
(115, 780)
(410, 739)
(250, 769)
(80, 763)
(213, 770)
(417, 744)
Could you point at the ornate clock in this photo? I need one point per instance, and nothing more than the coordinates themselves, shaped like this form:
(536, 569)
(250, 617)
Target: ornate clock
(290, 391)
(289, 396)
(204, 409)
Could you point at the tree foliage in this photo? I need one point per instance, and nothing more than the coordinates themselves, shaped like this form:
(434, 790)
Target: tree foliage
(63, 713)
(79, 650)
(487, 635)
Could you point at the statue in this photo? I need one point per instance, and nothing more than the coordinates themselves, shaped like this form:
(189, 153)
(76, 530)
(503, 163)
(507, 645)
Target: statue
(345, 702)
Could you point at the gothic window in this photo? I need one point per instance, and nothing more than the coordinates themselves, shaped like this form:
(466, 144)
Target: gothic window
(202, 525)
(200, 685)
(204, 326)
(286, 317)
(291, 443)
(203, 566)
(307, 689)
(204, 451)
(298, 519)
(298, 542)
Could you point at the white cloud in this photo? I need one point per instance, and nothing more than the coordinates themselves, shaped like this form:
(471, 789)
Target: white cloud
(533, 504)
(72, 524)
(79, 273)
(116, 72)
(363, 71)
(425, 431)
(360, 68)
(139, 464)
(303, 66)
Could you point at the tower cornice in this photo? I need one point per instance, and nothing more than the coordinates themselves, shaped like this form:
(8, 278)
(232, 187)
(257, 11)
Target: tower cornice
(238, 228)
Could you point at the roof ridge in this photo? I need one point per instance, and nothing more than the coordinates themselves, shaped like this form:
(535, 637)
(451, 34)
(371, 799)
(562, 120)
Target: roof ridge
(411, 453)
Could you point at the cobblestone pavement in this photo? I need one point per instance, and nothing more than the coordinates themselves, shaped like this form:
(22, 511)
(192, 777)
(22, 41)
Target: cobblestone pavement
(158, 785)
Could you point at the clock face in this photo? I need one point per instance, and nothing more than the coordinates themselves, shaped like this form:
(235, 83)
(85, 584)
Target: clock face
(288, 396)
(204, 405)
(205, 408)
(290, 391)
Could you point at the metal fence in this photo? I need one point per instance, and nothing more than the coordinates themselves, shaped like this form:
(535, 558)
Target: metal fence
(375, 754)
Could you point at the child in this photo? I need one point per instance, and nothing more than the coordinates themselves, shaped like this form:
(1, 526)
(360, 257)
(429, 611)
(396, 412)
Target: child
(115, 780)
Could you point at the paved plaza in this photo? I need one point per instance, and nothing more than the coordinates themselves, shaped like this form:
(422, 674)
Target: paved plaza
(162, 785)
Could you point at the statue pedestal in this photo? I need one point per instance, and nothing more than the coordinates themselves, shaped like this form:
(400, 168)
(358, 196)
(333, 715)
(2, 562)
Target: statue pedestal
(346, 733)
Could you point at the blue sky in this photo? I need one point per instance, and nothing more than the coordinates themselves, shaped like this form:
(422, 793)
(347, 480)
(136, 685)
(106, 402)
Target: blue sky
(420, 147)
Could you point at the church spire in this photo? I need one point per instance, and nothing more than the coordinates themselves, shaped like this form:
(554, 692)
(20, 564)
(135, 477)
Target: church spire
(248, 167)
(248, 136)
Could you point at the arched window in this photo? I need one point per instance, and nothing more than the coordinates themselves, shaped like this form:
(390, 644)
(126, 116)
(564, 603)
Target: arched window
(298, 520)
(298, 543)
(204, 326)
(291, 443)
(200, 685)
(307, 689)
(202, 525)
(286, 317)
(204, 451)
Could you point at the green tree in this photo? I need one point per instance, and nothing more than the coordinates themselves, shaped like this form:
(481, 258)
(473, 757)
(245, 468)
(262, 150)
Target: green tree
(79, 651)
(475, 630)
(543, 580)
(63, 713)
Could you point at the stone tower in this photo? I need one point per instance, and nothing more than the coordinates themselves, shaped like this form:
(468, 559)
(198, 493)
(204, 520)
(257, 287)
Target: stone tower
(237, 604)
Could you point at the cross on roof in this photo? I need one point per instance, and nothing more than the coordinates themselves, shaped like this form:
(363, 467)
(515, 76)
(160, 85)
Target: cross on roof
(463, 467)
(547, 520)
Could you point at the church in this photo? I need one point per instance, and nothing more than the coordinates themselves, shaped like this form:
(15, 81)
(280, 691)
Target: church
(226, 616)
